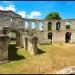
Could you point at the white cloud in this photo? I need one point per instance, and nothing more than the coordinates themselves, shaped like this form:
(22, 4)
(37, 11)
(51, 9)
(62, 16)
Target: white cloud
(10, 7)
(1, 8)
(22, 13)
(34, 14)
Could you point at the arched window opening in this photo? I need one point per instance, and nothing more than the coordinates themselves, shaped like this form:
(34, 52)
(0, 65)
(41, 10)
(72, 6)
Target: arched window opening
(33, 25)
(26, 25)
(67, 24)
(49, 26)
(50, 37)
(14, 42)
(67, 37)
(40, 26)
(12, 35)
(58, 26)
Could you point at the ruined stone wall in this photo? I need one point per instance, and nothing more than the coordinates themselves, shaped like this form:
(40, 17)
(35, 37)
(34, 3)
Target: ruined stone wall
(4, 43)
(13, 20)
(58, 36)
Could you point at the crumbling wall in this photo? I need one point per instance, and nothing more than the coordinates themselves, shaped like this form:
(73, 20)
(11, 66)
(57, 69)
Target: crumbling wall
(4, 43)
(30, 44)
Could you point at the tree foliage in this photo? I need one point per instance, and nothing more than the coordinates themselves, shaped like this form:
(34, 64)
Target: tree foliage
(53, 16)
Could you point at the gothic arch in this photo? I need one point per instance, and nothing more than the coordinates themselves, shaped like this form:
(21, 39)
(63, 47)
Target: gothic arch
(50, 36)
(67, 24)
(26, 24)
(67, 37)
(33, 25)
(49, 26)
(58, 25)
(40, 26)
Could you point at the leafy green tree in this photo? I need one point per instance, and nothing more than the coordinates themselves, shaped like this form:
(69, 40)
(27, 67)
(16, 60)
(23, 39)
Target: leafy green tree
(53, 16)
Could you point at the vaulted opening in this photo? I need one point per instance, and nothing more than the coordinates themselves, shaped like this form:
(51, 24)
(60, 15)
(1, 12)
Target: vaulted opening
(33, 25)
(40, 26)
(50, 36)
(58, 26)
(49, 26)
(26, 25)
(68, 24)
(67, 37)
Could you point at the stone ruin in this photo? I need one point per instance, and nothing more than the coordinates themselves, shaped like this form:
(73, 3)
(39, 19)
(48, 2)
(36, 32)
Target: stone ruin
(32, 45)
(16, 25)
(4, 44)
(52, 31)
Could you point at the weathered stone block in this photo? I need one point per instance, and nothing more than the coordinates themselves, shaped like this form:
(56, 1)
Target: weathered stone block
(32, 45)
(4, 42)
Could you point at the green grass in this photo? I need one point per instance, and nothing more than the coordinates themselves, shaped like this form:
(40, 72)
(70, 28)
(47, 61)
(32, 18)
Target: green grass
(50, 58)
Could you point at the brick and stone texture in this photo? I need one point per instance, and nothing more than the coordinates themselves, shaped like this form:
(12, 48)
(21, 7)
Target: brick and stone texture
(30, 44)
(4, 43)
(14, 22)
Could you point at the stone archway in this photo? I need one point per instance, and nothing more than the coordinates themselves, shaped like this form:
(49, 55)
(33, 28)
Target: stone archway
(18, 31)
(50, 37)
(58, 26)
(17, 37)
(49, 26)
(67, 37)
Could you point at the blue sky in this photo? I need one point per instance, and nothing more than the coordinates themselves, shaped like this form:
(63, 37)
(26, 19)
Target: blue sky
(39, 9)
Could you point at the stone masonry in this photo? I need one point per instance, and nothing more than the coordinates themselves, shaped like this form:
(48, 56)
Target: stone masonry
(4, 43)
(18, 24)
(12, 22)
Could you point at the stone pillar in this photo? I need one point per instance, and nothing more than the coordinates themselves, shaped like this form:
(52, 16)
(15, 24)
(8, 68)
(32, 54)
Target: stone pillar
(32, 45)
(21, 39)
(72, 36)
(25, 40)
(45, 33)
(4, 43)
(53, 25)
(72, 30)
(24, 24)
(29, 25)
(62, 27)
(72, 25)
(36, 25)
(45, 26)
(18, 39)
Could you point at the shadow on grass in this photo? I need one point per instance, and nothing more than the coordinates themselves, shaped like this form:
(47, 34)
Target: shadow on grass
(12, 53)
(40, 51)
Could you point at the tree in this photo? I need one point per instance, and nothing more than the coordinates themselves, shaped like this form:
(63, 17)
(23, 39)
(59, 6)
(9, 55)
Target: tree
(53, 16)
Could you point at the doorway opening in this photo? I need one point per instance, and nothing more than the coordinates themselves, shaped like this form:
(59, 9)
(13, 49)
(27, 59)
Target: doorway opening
(50, 37)
(67, 37)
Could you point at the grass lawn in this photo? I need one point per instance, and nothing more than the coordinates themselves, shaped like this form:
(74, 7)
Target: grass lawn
(51, 58)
